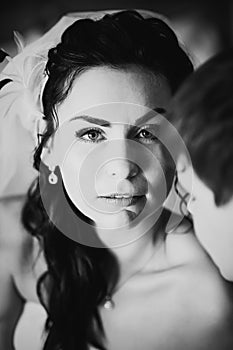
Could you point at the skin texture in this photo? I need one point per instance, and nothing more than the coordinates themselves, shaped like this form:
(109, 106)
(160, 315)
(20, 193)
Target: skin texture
(213, 224)
(97, 93)
(177, 299)
(18, 272)
(179, 276)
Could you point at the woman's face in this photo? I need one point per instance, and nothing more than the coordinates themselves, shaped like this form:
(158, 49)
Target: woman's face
(112, 163)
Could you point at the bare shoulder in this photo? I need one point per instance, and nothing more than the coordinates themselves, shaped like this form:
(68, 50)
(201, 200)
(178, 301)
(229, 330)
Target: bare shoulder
(207, 305)
(200, 283)
(183, 247)
(206, 298)
(19, 249)
(18, 269)
(11, 302)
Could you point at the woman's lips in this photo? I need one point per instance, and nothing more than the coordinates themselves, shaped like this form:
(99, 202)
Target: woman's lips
(122, 201)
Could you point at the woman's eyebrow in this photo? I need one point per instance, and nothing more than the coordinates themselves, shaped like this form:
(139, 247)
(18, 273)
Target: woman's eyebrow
(149, 115)
(107, 124)
(92, 120)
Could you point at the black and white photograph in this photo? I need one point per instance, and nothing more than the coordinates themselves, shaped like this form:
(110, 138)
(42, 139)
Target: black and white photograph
(116, 175)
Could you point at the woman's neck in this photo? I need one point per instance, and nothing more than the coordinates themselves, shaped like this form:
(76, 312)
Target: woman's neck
(130, 254)
(145, 253)
(134, 254)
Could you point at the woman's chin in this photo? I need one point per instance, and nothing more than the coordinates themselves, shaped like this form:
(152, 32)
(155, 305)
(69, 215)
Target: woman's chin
(121, 218)
(117, 221)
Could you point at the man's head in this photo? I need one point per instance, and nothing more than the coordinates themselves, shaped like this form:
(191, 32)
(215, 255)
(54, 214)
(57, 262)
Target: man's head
(202, 112)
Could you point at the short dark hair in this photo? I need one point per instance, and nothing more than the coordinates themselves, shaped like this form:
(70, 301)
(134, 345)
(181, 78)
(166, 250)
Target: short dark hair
(202, 112)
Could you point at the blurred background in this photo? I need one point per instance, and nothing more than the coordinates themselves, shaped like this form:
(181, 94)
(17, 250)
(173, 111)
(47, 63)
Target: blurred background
(205, 26)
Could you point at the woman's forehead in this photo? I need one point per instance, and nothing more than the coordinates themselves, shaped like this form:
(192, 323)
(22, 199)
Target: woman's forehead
(111, 114)
(115, 95)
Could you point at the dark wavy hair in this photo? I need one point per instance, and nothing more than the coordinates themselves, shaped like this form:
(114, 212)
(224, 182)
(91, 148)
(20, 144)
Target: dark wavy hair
(202, 112)
(78, 277)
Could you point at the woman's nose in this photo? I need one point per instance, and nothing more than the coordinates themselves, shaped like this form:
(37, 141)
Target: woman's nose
(122, 169)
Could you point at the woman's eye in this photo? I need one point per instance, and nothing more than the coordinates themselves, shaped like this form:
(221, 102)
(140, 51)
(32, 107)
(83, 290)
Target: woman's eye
(146, 136)
(91, 135)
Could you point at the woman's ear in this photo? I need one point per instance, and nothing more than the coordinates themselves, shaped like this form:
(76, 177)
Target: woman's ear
(48, 154)
(182, 163)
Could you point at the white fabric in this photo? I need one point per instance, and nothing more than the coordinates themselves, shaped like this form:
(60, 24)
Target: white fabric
(20, 110)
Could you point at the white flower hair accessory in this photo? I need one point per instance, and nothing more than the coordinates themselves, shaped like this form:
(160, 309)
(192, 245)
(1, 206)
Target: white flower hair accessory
(21, 118)
(22, 82)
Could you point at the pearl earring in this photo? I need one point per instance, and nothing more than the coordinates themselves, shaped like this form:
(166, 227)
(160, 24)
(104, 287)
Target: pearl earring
(52, 176)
